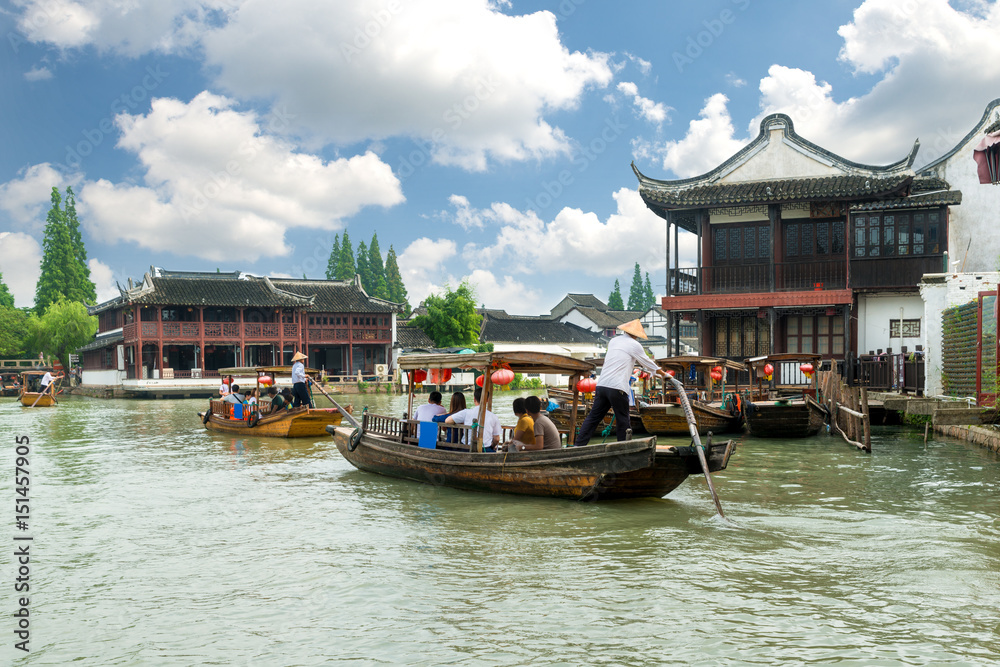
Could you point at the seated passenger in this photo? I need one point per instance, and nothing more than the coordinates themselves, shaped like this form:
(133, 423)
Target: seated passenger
(430, 409)
(546, 432)
(469, 416)
(277, 401)
(286, 394)
(234, 396)
(457, 405)
(524, 431)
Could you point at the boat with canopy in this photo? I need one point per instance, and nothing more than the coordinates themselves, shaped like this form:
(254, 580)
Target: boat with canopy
(783, 393)
(713, 390)
(32, 396)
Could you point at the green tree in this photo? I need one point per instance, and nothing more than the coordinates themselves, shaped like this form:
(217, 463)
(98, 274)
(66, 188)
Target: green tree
(6, 298)
(451, 319)
(62, 273)
(331, 263)
(380, 285)
(650, 296)
(394, 281)
(64, 328)
(345, 265)
(15, 332)
(636, 295)
(615, 300)
(86, 285)
(363, 269)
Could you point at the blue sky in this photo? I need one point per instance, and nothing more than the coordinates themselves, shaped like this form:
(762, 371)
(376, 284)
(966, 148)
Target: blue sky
(484, 141)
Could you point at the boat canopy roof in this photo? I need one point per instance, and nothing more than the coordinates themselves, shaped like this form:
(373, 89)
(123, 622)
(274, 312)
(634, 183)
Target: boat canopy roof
(700, 362)
(41, 372)
(263, 370)
(519, 362)
(801, 357)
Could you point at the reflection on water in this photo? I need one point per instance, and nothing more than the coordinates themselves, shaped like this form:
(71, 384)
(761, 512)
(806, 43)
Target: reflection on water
(160, 542)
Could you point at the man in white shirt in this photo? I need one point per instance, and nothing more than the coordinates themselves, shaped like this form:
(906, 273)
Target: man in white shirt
(46, 381)
(612, 393)
(490, 425)
(299, 379)
(430, 409)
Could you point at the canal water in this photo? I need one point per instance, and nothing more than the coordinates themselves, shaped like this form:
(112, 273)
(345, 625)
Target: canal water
(156, 542)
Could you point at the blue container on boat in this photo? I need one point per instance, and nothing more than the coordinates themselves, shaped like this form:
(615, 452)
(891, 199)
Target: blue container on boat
(427, 434)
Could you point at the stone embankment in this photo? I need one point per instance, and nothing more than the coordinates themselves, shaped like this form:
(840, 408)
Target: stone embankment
(953, 418)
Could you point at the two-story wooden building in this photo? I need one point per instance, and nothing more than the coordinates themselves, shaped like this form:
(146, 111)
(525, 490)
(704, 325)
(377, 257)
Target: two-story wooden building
(187, 325)
(801, 250)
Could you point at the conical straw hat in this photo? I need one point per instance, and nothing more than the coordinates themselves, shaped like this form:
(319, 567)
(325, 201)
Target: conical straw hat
(635, 328)
(299, 356)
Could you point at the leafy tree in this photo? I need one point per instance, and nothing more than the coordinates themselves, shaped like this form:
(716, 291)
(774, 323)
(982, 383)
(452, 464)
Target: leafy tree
(64, 328)
(615, 300)
(363, 269)
(636, 295)
(6, 298)
(345, 265)
(451, 320)
(650, 299)
(86, 286)
(15, 332)
(394, 281)
(380, 284)
(331, 264)
(63, 275)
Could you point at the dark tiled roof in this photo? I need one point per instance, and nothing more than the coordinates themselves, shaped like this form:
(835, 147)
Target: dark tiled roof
(535, 330)
(588, 300)
(102, 342)
(336, 296)
(412, 338)
(200, 291)
(940, 198)
(609, 319)
(827, 188)
(928, 184)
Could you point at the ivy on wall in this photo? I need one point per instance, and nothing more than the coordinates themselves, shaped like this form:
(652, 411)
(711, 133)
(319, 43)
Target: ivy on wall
(958, 354)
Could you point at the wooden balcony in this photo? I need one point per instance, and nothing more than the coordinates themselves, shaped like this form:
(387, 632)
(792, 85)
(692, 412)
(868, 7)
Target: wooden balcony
(893, 271)
(757, 278)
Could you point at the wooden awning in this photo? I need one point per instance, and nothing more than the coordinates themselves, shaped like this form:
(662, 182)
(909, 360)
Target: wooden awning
(519, 362)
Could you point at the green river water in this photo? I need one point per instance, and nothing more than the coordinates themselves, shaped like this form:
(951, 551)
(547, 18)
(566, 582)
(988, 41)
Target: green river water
(156, 542)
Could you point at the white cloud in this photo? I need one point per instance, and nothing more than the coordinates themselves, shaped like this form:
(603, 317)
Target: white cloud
(654, 112)
(709, 141)
(422, 267)
(38, 74)
(217, 187)
(576, 241)
(26, 199)
(21, 264)
(103, 277)
(506, 294)
(735, 81)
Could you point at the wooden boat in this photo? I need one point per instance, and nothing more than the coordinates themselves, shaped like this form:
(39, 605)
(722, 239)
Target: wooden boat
(30, 380)
(628, 469)
(713, 410)
(301, 422)
(786, 406)
(560, 416)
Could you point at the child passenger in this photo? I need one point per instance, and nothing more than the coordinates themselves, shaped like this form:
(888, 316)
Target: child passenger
(524, 432)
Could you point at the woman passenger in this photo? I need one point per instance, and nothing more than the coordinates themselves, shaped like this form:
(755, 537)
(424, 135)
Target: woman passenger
(457, 405)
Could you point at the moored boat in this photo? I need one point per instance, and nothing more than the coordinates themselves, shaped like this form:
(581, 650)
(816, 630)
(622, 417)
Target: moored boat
(716, 407)
(785, 407)
(421, 451)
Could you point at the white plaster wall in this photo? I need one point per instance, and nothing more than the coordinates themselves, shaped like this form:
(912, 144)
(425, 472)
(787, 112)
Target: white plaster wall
(654, 323)
(777, 160)
(579, 319)
(874, 313)
(104, 378)
(940, 292)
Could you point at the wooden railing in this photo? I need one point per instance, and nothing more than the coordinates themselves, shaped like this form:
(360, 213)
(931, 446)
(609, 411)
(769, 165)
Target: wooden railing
(752, 278)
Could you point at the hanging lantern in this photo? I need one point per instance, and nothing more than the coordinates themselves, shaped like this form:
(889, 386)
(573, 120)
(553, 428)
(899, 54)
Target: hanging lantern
(502, 377)
(479, 380)
(419, 376)
(671, 372)
(715, 375)
(768, 369)
(807, 370)
(586, 385)
(265, 380)
(445, 375)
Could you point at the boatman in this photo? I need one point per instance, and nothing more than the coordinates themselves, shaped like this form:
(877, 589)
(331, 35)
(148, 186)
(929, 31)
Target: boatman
(300, 392)
(612, 393)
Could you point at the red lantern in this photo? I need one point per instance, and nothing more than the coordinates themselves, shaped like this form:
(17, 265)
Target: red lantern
(445, 375)
(265, 380)
(419, 375)
(479, 380)
(671, 373)
(768, 369)
(502, 377)
(716, 375)
(586, 385)
(807, 369)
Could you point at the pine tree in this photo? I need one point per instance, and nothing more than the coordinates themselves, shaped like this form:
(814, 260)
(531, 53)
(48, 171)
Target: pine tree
(6, 298)
(345, 265)
(363, 269)
(650, 296)
(636, 294)
(615, 300)
(394, 281)
(380, 286)
(84, 284)
(331, 264)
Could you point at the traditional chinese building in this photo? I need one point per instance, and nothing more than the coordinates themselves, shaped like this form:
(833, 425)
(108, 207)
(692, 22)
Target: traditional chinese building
(187, 325)
(801, 250)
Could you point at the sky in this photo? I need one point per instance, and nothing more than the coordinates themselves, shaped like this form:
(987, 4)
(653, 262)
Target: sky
(485, 141)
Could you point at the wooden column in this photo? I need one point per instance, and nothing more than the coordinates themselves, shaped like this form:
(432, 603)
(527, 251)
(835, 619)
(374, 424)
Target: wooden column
(201, 339)
(669, 219)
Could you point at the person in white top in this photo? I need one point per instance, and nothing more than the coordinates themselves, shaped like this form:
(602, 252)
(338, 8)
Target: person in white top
(612, 393)
(490, 425)
(299, 379)
(430, 409)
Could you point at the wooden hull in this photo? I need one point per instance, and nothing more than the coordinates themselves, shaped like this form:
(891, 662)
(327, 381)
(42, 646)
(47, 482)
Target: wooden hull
(297, 423)
(794, 419)
(46, 400)
(669, 419)
(630, 469)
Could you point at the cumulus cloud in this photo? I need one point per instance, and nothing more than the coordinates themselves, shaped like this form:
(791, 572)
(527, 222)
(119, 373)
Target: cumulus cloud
(38, 74)
(709, 140)
(575, 240)
(505, 293)
(26, 199)
(654, 112)
(20, 263)
(422, 267)
(104, 279)
(216, 186)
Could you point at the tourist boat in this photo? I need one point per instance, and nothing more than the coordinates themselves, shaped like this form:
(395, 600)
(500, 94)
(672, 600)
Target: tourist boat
(786, 406)
(30, 380)
(418, 451)
(300, 422)
(716, 406)
(9, 385)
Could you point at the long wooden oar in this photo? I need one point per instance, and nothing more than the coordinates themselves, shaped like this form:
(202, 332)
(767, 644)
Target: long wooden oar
(692, 426)
(347, 415)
